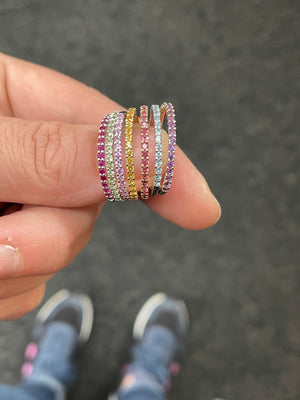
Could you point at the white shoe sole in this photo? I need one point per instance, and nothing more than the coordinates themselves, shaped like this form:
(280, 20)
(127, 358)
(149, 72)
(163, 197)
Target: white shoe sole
(88, 312)
(112, 396)
(50, 304)
(148, 308)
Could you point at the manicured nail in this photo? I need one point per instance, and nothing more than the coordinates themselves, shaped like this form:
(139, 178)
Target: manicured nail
(10, 261)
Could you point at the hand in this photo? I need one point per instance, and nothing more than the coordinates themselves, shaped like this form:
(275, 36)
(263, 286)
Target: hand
(48, 171)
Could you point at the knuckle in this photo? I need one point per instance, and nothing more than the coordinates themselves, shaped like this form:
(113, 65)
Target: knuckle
(52, 157)
(38, 153)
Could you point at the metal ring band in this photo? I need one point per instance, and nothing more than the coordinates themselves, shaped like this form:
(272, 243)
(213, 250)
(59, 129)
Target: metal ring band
(118, 156)
(101, 158)
(168, 109)
(130, 119)
(144, 152)
(109, 156)
(156, 122)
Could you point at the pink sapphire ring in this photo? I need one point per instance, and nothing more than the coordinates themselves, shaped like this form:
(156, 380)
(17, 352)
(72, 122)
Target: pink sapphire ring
(101, 159)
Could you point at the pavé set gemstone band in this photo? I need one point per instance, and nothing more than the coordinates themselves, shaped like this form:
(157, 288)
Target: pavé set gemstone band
(168, 109)
(144, 152)
(156, 122)
(119, 182)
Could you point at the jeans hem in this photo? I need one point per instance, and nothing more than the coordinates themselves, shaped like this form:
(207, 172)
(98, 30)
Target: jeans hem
(48, 382)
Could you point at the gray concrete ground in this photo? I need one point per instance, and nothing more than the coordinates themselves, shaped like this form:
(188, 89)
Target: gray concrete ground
(232, 70)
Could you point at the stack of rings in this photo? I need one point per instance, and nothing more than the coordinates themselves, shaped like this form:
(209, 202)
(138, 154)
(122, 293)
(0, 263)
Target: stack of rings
(116, 167)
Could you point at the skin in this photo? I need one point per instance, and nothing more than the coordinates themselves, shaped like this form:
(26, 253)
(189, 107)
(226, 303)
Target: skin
(50, 194)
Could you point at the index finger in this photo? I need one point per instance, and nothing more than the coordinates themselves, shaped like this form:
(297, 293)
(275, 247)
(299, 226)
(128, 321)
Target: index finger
(34, 92)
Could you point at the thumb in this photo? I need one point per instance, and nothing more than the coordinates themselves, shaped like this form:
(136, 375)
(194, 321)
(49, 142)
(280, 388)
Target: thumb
(55, 164)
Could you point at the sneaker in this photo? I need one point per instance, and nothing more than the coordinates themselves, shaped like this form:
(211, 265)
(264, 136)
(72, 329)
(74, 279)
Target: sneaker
(161, 310)
(61, 328)
(160, 332)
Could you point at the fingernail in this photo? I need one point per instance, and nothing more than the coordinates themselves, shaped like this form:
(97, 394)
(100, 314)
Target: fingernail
(217, 209)
(220, 210)
(10, 261)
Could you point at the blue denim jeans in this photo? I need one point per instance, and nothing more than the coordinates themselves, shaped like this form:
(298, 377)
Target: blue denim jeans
(154, 353)
(43, 393)
(29, 392)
